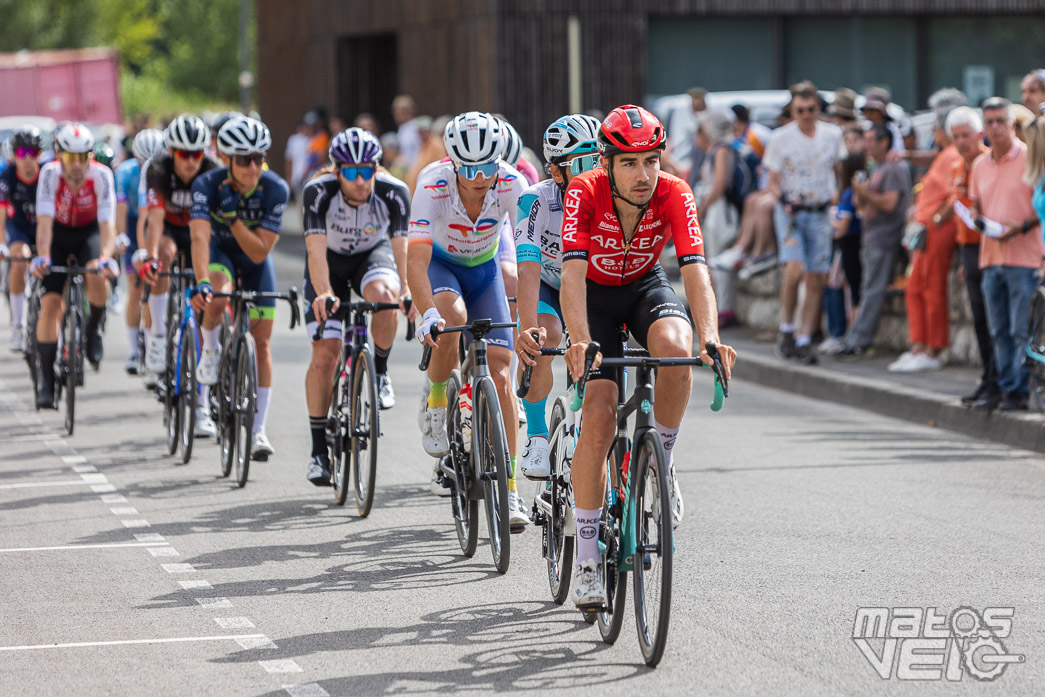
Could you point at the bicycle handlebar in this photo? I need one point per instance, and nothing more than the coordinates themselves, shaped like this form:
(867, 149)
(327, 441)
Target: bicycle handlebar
(346, 309)
(524, 383)
(245, 296)
(73, 270)
(479, 326)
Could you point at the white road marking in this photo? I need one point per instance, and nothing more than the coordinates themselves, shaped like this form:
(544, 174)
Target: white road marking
(231, 637)
(234, 622)
(114, 498)
(253, 643)
(148, 537)
(34, 485)
(83, 469)
(283, 665)
(178, 568)
(76, 460)
(103, 488)
(94, 478)
(311, 689)
(163, 551)
(115, 545)
(214, 602)
(194, 583)
(135, 523)
(124, 510)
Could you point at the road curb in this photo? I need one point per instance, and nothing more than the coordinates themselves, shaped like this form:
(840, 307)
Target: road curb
(1023, 430)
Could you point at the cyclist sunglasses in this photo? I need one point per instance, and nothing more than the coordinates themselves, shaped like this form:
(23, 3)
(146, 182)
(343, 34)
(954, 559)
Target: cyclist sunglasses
(581, 164)
(71, 157)
(350, 172)
(189, 154)
(26, 152)
(488, 170)
(256, 158)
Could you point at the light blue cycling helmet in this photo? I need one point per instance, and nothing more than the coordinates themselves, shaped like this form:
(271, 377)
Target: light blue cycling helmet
(569, 135)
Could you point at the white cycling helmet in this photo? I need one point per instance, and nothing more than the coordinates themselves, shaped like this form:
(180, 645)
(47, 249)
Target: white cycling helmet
(513, 144)
(75, 138)
(473, 138)
(242, 135)
(148, 143)
(571, 134)
(188, 132)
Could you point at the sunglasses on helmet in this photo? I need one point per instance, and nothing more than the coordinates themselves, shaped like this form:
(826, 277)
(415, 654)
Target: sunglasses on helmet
(488, 170)
(350, 172)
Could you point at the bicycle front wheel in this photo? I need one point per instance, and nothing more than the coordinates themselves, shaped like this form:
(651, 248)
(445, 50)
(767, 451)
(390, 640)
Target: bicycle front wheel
(654, 546)
(244, 404)
(222, 396)
(490, 447)
(464, 508)
(611, 620)
(366, 429)
(188, 391)
(73, 337)
(339, 435)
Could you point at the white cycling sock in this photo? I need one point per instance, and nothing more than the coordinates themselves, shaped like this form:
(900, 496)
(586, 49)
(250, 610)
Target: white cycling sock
(204, 396)
(263, 409)
(210, 337)
(588, 535)
(158, 310)
(132, 342)
(668, 436)
(17, 305)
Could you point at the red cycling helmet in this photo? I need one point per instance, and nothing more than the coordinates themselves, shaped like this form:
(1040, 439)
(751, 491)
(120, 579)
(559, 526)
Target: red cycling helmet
(630, 128)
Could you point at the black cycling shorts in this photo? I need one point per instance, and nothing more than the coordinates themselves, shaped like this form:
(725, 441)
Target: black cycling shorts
(638, 305)
(347, 273)
(182, 238)
(84, 243)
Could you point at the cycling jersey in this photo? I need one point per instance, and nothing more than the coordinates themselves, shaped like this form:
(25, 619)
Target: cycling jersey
(95, 202)
(19, 198)
(262, 209)
(538, 232)
(355, 229)
(592, 231)
(438, 217)
(128, 177)
(166, 190)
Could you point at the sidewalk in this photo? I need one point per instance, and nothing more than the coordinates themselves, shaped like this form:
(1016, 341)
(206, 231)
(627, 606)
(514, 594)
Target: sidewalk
(931, 398)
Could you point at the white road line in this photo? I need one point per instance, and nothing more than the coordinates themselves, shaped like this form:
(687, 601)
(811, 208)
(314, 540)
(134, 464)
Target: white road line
(312, 689)
(76, 460)
(214, 602)
(283, 665)
(195, 584)
(35, 485)
(83, 469)
(135, 523)
(124, 510)
(252, 643)
(94, 478)
(114, 545)
(148, 537)
(234, 622)
(103, 488)
(163, 551)
(178, 568)
(114, 498)
(231, 637)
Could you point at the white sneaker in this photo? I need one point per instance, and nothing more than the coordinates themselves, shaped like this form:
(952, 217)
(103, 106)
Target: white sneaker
(517, 517)
(830, 344)
(131, 365)
(920, 362)
(728, 260)
(899, 365)
(433, 437)
(386, 397)
(207, 370)
(535, 462)
(260, 448)
(155, 353)
(15, 343)
(678, 508)
(205, 427)
(589, 593)
(439, 485)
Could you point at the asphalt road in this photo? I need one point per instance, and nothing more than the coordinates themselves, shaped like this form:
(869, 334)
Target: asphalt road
(124, 573)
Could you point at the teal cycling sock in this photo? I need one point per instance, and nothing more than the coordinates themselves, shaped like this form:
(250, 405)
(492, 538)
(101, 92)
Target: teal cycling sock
(536, 424)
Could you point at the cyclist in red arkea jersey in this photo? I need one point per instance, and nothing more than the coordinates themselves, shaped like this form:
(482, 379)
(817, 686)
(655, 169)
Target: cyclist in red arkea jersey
(617, 220)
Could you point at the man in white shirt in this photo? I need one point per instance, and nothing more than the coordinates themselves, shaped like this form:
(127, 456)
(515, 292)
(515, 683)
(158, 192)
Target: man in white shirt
(801, 161)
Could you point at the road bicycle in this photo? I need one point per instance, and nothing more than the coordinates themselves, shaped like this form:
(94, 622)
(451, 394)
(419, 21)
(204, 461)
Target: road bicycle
(69, 372)
(636, 533)
(31, 319)
(178, 385)
(478, 464)
(236, 392)
(353, 419)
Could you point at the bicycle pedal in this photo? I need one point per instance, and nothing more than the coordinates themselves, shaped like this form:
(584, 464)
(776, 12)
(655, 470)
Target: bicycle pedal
(516, 529)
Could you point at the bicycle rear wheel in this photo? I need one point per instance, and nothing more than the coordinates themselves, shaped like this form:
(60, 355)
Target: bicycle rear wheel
(366, 429)
(559, 544)
(73, 336)
(654, 546)
(491, 450)
(465, 510)
(245, 403)
(188, 390)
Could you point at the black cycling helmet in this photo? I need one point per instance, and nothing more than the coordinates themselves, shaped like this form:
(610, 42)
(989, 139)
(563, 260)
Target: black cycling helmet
(27, 137)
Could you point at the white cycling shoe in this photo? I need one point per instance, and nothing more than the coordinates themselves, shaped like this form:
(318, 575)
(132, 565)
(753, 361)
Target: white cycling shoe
(155, 353)
(535, 462)
(386, 396)
(588, 592)
(517, 517)
(207, 370)
(678, 508)
(205, 427)
(433, 436)
(260, 448)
